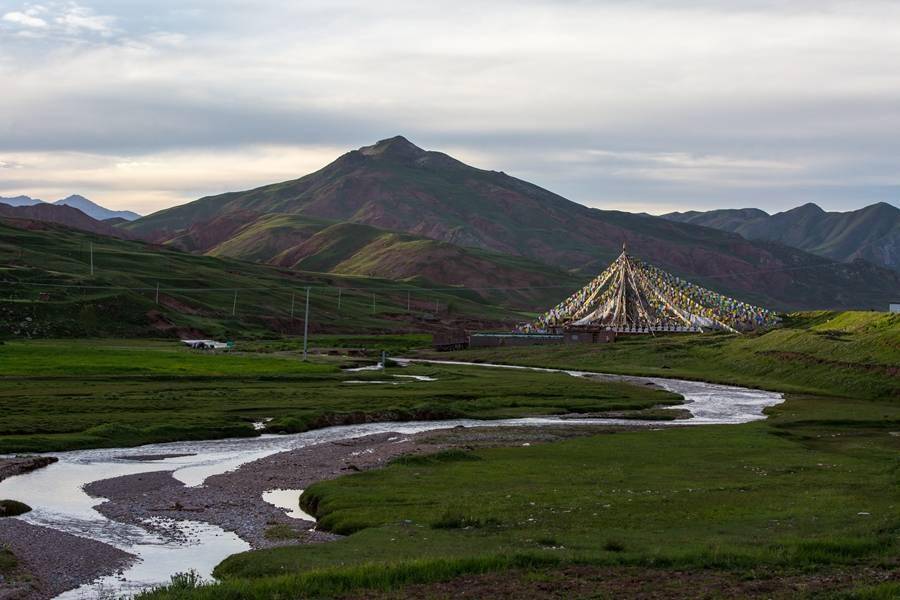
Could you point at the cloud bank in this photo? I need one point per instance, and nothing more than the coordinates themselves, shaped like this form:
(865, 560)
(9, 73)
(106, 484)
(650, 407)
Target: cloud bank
(638, 105)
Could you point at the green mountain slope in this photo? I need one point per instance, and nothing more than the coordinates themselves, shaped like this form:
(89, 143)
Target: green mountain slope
(871, 233)
(48, 290)
(310, 244)
(394, 185)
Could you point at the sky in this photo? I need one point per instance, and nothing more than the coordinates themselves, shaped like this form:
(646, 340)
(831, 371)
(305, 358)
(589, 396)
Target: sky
(638, 105)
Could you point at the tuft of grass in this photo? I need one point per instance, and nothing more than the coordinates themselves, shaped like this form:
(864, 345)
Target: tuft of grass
(280, 532)
(445, 456)
(454, 519)
(8, 562)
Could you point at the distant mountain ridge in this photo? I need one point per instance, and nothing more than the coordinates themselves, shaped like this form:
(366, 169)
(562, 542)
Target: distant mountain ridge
(396, 186)
(92, 209)
(26, 216)
(871, 233)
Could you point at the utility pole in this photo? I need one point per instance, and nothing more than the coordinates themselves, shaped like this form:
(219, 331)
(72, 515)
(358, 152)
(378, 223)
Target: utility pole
(157, 292)
(373, 304)
(339, 299)
(437, 307)
(306, 327)
(92, 259)
(407, 302)
(234, 304)
(292, 306)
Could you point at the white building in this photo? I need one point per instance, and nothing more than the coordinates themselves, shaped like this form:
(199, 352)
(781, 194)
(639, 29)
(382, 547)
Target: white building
(894, 307)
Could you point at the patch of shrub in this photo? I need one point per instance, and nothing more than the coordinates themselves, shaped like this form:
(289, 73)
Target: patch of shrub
(444, 456)
(614, 546)
(453, 519)
(13, 508)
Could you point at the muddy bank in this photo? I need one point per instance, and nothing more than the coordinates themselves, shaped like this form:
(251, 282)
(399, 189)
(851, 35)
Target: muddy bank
(51, 562)
(233, 500)
(18, 465)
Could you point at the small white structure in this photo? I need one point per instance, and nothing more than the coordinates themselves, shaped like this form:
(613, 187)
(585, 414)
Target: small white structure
(207, 344)
(894, 307)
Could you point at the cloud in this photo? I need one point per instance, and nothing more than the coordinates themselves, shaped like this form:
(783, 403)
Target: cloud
(643, 103)
(75, 19)
(24, 19)
(62, 19)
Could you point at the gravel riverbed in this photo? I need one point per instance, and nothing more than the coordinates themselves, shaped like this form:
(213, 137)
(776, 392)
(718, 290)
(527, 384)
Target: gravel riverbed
(233, 500)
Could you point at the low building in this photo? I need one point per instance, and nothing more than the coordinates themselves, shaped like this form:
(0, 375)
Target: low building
(894, 307)
(496, 340)
(589, 336)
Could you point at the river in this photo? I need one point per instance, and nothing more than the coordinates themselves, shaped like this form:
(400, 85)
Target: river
(55, 493)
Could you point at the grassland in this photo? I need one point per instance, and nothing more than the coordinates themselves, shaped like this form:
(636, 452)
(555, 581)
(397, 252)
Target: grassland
(219, 297)
(61, 395)
(810, 492)
(845, 354)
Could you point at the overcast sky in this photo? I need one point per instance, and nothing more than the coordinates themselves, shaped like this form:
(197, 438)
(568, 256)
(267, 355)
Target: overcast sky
(636, 105)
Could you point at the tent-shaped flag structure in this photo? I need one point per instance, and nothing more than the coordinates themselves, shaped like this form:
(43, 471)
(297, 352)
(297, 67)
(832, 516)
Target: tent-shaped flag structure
(631, 295)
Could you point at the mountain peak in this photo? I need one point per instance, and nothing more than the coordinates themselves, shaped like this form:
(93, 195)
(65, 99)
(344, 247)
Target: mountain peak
(94, 210)
(397, 147)
(808, 208)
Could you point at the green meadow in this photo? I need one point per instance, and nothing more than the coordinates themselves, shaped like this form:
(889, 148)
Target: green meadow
(63, 395)
(810, 492)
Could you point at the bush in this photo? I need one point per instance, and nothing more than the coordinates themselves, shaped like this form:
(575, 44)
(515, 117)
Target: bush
(13, 508)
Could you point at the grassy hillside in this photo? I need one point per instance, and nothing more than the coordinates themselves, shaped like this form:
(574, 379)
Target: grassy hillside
(396, 186)
(263, 239)
(309, 244)
(197, 293)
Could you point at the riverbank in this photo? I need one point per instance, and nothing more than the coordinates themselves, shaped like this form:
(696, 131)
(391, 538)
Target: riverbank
(51, 562)
(234, 500)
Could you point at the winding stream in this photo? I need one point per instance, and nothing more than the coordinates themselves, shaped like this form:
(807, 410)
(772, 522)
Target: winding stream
(56, 495)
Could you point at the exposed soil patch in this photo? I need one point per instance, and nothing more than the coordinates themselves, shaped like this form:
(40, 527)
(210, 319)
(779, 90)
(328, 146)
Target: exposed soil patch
(52, 562)
(582, 581)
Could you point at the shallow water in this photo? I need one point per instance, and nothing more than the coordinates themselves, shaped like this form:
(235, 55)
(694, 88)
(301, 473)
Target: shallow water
(289, 500)
(56, 495)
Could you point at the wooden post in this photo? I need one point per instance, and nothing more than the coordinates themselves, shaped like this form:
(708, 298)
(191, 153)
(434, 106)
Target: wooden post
(306, 327)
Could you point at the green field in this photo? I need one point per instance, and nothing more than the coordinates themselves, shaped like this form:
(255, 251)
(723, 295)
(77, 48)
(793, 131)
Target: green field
(846, 354)
(61, 395)
(812, 491)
